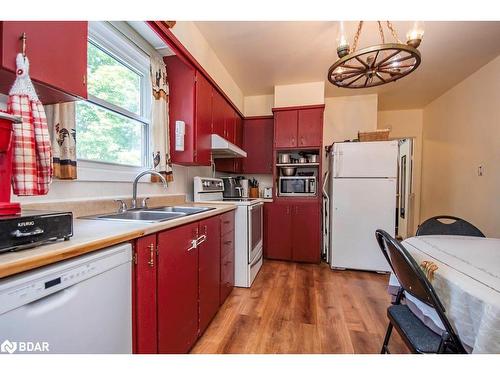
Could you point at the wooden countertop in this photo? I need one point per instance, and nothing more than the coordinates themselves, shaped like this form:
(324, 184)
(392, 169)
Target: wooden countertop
(92, 235)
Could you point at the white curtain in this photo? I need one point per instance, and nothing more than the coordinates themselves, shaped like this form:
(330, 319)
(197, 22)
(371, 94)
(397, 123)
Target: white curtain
(159, 117)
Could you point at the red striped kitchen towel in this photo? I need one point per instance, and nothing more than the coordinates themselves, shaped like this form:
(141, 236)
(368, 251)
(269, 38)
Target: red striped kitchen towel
(32, 156)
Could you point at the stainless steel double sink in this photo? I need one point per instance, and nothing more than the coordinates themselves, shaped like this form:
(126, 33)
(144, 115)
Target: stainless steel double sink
(152, 215)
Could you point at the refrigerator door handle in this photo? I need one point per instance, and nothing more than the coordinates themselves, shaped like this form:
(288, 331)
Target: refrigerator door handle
(338, 164)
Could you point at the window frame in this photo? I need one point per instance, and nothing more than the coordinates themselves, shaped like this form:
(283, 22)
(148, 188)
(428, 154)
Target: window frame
(126, 51)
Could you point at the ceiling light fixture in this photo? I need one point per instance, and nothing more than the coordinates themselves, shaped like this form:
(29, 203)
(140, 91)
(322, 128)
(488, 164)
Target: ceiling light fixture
(375, 65)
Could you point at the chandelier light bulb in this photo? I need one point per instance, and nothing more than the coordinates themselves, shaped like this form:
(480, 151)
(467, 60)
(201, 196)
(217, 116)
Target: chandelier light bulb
(343, 47)
(415, 34)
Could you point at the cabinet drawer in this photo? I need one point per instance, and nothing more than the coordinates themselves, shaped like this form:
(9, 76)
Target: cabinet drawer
(227, 243)
(227, 276)
(227, 222)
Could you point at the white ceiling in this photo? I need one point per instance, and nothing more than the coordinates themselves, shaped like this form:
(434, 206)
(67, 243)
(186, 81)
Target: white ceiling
(260, 55)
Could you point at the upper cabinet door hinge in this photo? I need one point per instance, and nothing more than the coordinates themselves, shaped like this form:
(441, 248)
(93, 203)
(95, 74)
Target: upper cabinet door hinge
(135, 258)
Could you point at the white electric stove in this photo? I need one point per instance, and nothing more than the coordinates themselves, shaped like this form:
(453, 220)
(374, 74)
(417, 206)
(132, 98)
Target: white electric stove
(248, 227)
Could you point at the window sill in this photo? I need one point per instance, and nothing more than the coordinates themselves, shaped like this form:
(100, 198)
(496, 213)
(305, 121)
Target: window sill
(103, 172)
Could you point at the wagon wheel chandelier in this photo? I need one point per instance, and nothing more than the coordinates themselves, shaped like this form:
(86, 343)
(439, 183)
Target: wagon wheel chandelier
(375, 65)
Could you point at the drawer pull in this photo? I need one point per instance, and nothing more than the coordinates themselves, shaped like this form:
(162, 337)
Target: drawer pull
(151, 261)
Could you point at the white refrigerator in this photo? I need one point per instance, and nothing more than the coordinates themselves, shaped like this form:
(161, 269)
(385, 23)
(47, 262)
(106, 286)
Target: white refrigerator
(363, 183)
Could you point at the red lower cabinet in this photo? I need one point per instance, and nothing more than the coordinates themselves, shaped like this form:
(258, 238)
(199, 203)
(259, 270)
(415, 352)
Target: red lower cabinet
(306, 232)
(293, 231)
(144, 298)
(227, 266)
(209, 252)
(278, 243)
(177, 289)
(180, 276)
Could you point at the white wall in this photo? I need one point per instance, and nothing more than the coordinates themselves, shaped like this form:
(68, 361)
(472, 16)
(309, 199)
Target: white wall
(345, 116)
(194, 41)
(299, 94)
(258, 105)
(462, 132)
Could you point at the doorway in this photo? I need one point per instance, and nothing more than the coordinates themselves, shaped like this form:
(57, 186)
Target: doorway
(405, 195)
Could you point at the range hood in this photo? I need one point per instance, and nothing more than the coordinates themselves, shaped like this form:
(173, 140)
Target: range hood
(222, 148)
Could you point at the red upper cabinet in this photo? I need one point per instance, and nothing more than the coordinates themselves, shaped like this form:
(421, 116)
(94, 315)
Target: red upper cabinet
(230, 124)
(209, 253)
(57, 52)
(203, 120)
(219, 113)
(306, 232)
(190, 100)
(298, 127)
(181, 80)
(258, 135)
(144, 296)
(285, 129)
(238, 131)
(310, 127)
(177, 289)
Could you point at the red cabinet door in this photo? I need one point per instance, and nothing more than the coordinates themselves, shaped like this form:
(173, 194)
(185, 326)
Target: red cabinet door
(227, 272)
(230, 124)
(285, 128)
(218, 113)
(306, 232)
(57, 51)
(279, 231)
(203, 120)
(209, 253)
(310, 127)
(181, 80)
(177, 289)
(144, 309)
(258, 137)
(239, 131)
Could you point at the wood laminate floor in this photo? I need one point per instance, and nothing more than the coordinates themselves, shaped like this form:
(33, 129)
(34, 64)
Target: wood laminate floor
(303, 308)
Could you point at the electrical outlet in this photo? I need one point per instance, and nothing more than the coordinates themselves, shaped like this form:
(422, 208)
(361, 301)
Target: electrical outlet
(480, 171)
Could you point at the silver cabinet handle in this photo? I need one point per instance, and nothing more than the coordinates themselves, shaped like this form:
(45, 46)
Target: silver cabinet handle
(18, 234)
(201, 239)
(194, 245)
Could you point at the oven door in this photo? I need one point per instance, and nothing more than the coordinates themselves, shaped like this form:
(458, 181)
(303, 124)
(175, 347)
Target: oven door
(255, 229)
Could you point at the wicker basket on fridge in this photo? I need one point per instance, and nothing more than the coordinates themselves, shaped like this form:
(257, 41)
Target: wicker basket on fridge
(376, 135)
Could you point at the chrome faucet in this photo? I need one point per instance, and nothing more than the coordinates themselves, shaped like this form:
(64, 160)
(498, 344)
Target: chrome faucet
(136, 180)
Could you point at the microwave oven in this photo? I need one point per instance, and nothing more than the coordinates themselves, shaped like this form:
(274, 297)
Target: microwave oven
(293, 186)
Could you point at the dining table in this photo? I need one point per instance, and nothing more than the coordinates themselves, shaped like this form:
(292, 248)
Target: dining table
(465, 273)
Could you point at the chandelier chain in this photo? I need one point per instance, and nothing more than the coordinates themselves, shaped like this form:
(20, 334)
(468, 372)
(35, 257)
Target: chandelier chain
(356, 37)
(381, 31)
(394, 32)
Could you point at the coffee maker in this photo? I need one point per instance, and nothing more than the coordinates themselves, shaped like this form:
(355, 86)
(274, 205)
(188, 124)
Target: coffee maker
(6, 136)
(232, 187)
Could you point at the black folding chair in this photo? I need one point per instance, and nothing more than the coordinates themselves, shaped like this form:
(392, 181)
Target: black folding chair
(417, 336)
(458, 227)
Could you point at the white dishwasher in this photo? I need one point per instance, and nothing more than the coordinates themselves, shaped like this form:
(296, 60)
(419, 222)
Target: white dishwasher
(81, 305)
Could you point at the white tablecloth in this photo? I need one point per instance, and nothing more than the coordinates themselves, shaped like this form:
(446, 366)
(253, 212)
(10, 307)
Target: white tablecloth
(467, 282)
